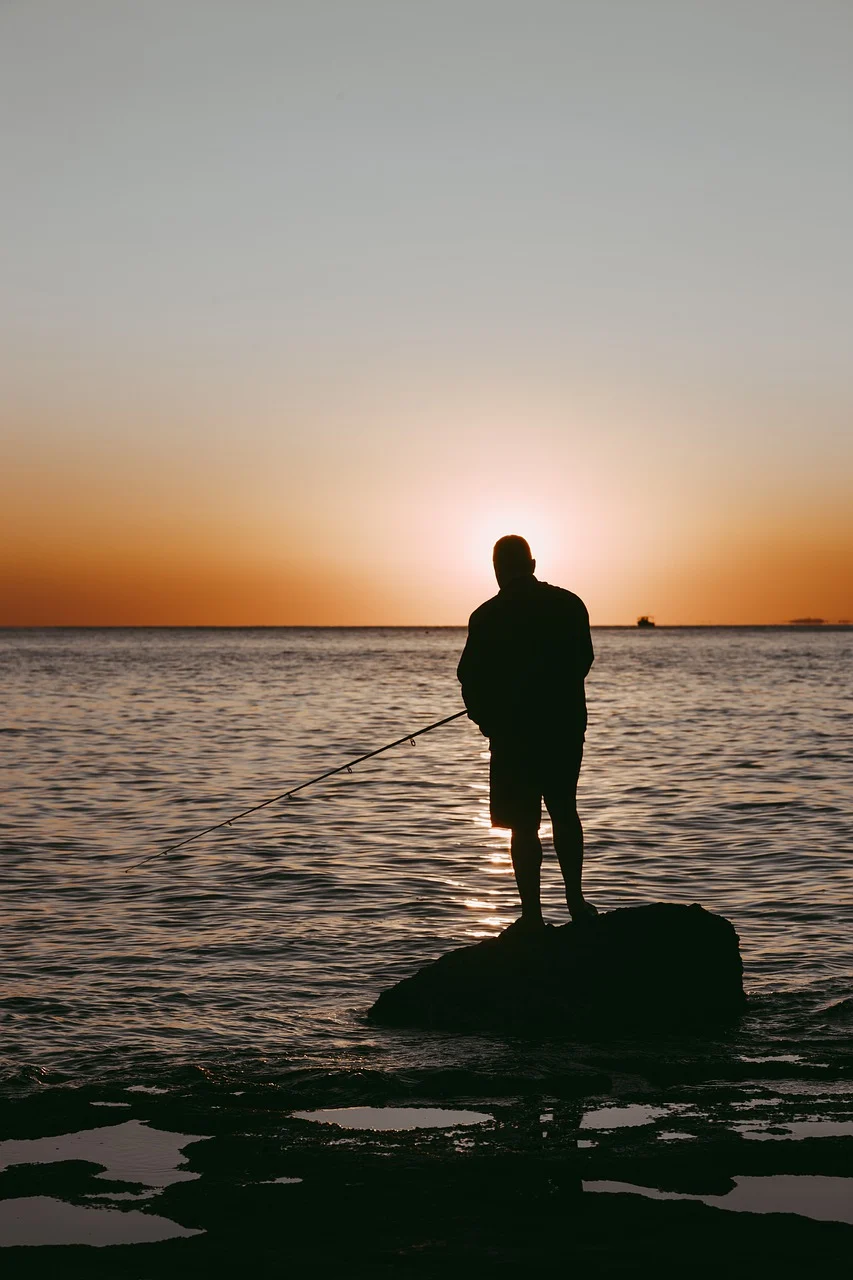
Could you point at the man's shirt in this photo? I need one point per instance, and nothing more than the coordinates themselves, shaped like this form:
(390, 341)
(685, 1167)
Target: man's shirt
(523, 667)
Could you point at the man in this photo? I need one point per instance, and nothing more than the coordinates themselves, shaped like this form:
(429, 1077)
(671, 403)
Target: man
(522, 675)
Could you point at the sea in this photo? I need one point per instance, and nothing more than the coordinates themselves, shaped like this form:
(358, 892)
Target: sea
(187, 1072)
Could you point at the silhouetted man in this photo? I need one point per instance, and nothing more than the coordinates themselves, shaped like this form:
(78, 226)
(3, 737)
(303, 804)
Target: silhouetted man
(522, 675)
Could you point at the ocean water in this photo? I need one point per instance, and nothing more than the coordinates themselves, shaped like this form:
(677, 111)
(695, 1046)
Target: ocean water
(154, 1016)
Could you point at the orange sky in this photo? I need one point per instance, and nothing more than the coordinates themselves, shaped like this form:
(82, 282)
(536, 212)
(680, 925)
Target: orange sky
(136, 528)
(303, 306)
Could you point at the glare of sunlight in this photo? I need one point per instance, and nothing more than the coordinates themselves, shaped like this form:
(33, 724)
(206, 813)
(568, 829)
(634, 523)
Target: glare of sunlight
(483, 821)
(496, 519)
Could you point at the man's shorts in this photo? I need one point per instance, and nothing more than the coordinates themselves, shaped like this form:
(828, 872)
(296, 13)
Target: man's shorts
(523, 774)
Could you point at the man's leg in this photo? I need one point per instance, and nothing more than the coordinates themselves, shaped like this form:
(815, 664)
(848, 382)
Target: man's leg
(561, 801)
(526, 851)
(516, 802)
(568, 845)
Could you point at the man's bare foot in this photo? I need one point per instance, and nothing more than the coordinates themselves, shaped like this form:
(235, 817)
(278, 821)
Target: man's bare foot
(583, 912)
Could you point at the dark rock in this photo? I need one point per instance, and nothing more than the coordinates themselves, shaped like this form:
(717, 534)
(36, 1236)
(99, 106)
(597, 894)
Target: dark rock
(663, 966)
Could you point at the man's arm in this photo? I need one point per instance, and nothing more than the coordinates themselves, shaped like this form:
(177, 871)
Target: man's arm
(471, 674)
(587, 653)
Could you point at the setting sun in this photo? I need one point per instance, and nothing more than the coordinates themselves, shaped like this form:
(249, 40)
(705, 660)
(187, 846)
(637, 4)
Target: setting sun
(494, 522)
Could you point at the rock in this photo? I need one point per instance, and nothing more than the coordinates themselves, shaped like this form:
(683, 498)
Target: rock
(664, 966)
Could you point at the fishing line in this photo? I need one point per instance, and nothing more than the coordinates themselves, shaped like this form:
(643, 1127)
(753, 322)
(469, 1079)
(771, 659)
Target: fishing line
(285, 795)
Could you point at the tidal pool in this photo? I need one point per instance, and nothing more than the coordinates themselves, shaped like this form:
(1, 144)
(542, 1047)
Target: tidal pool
(826, 1199)
(129, 1152)
(624, 1117)
(42, 1220)
(757, 1131)
(394, 1118)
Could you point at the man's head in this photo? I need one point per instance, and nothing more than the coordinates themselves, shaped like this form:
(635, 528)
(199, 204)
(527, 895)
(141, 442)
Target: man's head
(512, 559)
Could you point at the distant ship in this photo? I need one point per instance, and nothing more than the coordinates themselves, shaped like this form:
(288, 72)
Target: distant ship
(645, 621)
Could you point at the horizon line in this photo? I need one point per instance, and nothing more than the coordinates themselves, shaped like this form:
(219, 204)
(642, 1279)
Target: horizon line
(403, 626)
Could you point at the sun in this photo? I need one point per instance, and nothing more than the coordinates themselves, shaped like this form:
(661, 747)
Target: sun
(519, 518)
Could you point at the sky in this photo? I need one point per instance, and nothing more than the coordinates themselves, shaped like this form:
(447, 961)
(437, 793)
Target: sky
(304, 304)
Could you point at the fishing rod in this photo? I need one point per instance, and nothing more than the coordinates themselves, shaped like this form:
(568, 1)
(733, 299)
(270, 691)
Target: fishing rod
(285, 795)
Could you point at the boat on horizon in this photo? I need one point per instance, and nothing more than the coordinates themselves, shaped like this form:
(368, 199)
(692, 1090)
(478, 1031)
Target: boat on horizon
(645, 621)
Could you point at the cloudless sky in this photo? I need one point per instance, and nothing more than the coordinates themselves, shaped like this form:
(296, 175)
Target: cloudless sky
(303, 304)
